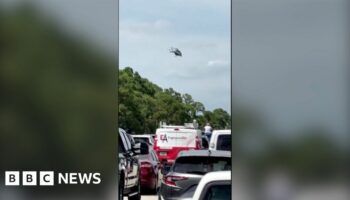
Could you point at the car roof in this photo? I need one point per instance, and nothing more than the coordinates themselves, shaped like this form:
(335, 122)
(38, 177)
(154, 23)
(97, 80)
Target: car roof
(179, 128)
(217, 176)
(227, 132)
(143, 136)
(212, 153)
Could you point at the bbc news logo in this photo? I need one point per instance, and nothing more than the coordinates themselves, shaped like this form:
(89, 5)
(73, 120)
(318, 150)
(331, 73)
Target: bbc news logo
(47, 178)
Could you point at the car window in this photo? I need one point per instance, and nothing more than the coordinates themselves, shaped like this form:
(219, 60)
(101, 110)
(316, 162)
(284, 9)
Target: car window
(141, 139)
(132, 141)
(224, 142)
(154, 156)
(218, 192)
(126, 141)
(151, 155)
(201, 165)
(120, 145)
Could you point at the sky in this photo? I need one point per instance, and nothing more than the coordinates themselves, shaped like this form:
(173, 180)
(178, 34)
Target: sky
(148, 29)
(199, 28)
(289, 57)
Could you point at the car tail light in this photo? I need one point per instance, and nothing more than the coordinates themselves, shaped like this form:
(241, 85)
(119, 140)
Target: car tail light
(171, 180)
(198, 143)
(155, 143)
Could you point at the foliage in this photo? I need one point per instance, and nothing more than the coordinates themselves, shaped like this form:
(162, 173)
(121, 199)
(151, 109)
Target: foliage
(143, 104)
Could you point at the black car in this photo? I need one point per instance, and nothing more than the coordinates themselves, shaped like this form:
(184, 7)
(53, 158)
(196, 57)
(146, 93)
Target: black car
(188, 169)
(129, 166)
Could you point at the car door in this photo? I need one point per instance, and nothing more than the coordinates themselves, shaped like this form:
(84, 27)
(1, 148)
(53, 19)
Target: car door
(123, 163)
(128, 159)
(134, 163)
(157, 168)
(155, 162)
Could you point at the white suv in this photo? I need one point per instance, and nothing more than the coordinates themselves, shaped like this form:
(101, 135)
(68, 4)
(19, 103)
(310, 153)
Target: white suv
(220, 140)
(214, 185)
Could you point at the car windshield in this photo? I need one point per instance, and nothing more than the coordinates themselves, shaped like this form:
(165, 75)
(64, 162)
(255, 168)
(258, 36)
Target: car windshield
(201, 165)
(224, 142)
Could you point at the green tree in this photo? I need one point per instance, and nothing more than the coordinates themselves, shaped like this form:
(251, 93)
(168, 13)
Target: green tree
(142, 105)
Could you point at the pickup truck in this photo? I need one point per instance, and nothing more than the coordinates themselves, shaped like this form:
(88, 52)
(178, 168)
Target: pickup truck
(213, 185)
(129, 166)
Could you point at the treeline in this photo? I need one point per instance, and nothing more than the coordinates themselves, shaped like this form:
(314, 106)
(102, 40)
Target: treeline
(143, 104)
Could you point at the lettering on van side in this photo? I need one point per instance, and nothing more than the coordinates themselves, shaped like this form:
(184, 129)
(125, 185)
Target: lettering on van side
(163, 138)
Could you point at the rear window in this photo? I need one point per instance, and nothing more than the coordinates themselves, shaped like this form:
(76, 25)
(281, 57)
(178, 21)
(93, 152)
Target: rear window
(218, 192)
(141, 139)
(224, 143)
(201, 165)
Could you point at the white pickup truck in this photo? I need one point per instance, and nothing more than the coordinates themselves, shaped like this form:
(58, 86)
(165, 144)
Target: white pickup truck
(214, 185)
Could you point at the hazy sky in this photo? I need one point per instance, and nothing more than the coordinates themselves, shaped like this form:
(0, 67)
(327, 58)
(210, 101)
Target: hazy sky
(290, 57)
(199, 28)
(148, 29)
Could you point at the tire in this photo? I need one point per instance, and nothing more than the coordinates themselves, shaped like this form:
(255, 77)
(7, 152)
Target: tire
(120, 190)
(138, 190)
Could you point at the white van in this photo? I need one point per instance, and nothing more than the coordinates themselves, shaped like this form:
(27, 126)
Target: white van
(220, 140)
(170, 140)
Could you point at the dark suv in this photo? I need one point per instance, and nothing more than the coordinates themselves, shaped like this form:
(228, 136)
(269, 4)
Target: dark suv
(129, 166)
(189, 167)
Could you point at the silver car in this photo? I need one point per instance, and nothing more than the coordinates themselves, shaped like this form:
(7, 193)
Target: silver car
(189, 167)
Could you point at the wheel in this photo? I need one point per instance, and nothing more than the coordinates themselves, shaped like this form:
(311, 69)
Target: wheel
(138, 195)
(120, 190)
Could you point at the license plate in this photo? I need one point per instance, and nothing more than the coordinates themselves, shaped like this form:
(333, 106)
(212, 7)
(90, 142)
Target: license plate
(163, 153)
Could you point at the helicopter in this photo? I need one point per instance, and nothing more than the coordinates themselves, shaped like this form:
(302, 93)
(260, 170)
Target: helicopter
(176, 51)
